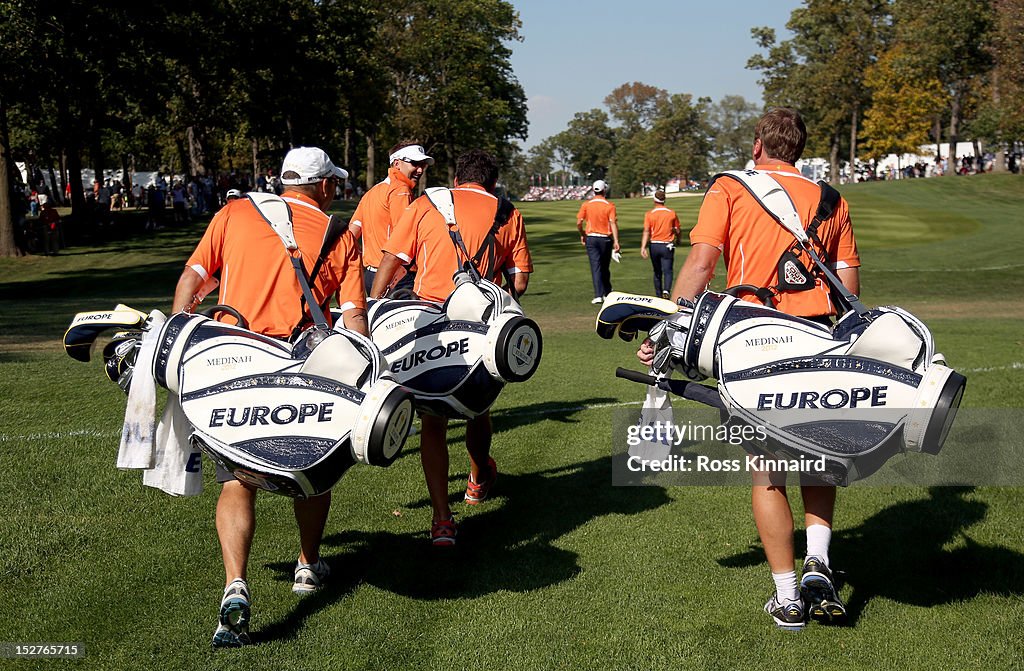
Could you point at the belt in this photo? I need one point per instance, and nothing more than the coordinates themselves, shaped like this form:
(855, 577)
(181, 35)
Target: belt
(372, 269)
(661, 242)
(597, 235)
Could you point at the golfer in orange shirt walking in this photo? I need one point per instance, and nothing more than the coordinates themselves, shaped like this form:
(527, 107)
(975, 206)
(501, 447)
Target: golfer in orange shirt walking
(732, 223)
(258, 280)
(380, 207)
(422, 236)
(599, 233)
(661, 231)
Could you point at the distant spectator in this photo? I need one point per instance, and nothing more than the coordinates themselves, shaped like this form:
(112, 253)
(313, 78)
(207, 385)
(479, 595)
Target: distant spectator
(49, 220)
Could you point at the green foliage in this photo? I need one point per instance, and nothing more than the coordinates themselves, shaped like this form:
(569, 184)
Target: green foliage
(732, 120)
(903, 106)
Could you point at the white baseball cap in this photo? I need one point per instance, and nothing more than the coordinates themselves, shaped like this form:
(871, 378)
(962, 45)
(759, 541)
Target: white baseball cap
(600, 185)
(412, 153)
(312, 164)
(233, 193)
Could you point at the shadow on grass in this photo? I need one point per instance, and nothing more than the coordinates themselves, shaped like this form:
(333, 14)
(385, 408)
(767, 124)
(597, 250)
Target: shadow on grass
(900, 553)
(510, 546)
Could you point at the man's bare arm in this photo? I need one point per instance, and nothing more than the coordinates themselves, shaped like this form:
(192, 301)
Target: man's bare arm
(698, 269)
(185, 293)
(850, 277)
(385, 271)
(355, 320)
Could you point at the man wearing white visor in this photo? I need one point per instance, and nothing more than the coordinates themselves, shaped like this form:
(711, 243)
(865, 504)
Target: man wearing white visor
(382, 207)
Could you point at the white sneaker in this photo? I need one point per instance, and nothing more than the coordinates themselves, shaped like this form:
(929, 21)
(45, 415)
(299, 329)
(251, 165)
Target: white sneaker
(310, 577)
(596, 301)
(233, 623)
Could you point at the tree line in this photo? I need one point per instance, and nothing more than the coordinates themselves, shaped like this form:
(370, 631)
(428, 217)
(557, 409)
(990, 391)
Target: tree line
(202, 86)
(871, 78)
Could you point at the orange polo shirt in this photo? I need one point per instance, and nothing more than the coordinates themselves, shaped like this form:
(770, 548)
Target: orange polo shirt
(662, 224)
(378, 212)
(256, 274)
(752, 241)
(598, 213)
(421, 235)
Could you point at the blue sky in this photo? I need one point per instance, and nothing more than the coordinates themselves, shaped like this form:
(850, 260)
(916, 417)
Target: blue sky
(574, 53)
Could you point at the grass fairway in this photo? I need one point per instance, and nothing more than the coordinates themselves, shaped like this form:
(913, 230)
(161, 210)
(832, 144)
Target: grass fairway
(560, 570)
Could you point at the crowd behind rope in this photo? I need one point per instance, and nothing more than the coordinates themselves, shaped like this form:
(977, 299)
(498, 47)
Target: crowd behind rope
(536, 193)
(166, 199)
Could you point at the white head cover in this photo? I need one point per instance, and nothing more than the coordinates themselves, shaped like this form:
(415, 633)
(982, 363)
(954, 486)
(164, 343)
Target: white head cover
(312, 164)
(600, 186)
(412, 153)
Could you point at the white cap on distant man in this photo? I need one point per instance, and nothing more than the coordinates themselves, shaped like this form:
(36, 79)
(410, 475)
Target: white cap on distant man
(232, 194)
(43, 199)
(312, 164)
(600, 186)
(659, 196)
(412, 153)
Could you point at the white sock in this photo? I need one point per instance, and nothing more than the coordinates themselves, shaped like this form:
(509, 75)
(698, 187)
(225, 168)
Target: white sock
(818, 538)
(785, 586)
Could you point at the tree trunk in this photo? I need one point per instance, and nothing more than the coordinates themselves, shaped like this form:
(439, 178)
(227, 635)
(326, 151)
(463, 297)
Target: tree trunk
(833, 159)
(978, 161)
(183, 158)
(127, 178)
(7, 246)
(371, 160)
(75, 179)
(449, 148)
(853, 145)
(1000, 163)
(195, 153)
(255, 158)
(291, 131)
(53, 184)
(63, 180)
(937, 135)
(954, 122)
(347, 154)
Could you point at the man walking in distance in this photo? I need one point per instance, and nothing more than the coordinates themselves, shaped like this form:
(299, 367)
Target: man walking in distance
(600, 237)
(422, 236)
(661, 230)
(379, 209)
(259, 281)
(733, 223)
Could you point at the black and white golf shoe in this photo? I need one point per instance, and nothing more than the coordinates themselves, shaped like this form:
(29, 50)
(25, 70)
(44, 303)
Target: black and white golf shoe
(820, 594)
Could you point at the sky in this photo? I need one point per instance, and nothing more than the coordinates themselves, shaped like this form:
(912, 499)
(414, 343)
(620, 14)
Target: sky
(574, 53)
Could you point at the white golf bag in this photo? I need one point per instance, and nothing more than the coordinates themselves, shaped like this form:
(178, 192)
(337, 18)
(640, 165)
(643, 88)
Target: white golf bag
(456, 357)
(856, 394)
(286, 418)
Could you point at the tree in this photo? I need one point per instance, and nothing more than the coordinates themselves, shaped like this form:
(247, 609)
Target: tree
(902, 106)
(635, 106)
(590, 142)
(945, 40)
(820, 70)
(732, 120)
(454, 85)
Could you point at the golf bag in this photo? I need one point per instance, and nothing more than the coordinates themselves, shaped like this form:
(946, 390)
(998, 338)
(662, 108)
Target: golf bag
(856, 394)
(456, 357)
(288, 418)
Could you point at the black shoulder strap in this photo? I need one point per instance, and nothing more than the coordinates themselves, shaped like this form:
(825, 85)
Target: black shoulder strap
(489, 247)
(336, 227)
(826, 208)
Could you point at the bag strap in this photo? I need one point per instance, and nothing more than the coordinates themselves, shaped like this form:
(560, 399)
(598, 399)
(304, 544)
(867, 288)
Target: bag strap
(276, 212)
(767, 191)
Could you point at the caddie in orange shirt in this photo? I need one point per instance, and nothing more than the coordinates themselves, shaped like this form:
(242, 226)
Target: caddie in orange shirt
(258, 279)
(734, 224)
(599, 233)
(380, 207)
(422, 236)
(661, 230)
